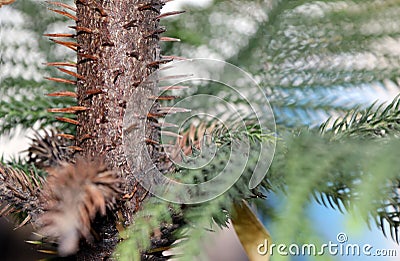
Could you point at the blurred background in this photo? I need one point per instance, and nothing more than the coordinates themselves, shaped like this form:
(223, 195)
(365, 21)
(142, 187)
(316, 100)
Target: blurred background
(314, 59)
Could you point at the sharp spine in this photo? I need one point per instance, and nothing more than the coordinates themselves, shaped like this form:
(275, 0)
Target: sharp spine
(173, 57)
(155, 115)
(68, 120)
(154, 6)
(60, 35)
(32, 242)
(171, 134)
(130, 24)
(152, 141)
(169, 110)
(62, 5)
(80, 77)
(93, 91)
(85, 137)
(163, 98)
(168, 14)
(61, 80)
(169, 39)
(23, 223)
(72, 109)
(48, 252)
(167, 67)
(80, 29)
(88, 56)
(71, 45)
(73, 17)
(157, 63)
(169, 77)
(164, 124)
(156, 32)
(148, 6)
(63, 94)
(173, 87)
(68, 64)
(101, 10)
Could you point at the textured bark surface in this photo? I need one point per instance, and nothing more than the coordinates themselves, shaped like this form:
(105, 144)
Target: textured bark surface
(117, 40)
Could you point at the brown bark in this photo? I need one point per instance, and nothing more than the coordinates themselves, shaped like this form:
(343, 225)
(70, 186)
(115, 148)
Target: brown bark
(117, 40)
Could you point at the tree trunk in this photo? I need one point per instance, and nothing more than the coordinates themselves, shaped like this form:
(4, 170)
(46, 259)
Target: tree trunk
(117, 41)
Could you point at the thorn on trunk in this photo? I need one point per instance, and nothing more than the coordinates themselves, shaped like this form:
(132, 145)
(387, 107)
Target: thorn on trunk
(168, 14)
(72, 45)
(81, 29)
(60, 35)
(66, 14)
(47, 252)
(85, 137)
(163, 98)
(169, 39)
(101, 10)
(173, 57)
(61, 80)
(62, 5)
(72, 109)
(155, 115)
(171, 134)
(63, 94)
(152, 142)
(88, 57)
(167, 67)
(171, 110)
(93, 91)
(68, 120)
(68, 64)
(173, 87)
(74, 74)
(169, 77)
(130, 24)
(159, 62)
(148, 6)
(156, 32)
(164, 124)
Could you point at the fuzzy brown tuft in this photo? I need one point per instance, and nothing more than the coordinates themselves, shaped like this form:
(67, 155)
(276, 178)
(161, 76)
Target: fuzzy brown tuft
(72, 196)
